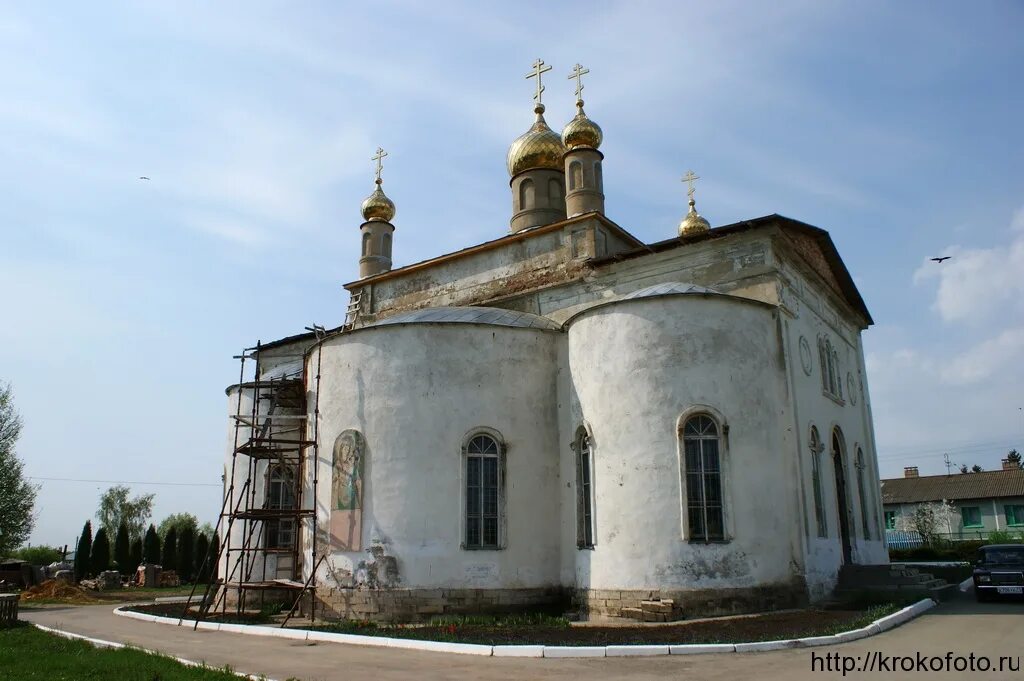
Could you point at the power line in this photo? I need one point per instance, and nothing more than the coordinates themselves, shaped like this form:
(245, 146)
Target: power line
(130, 482)
(973, 449)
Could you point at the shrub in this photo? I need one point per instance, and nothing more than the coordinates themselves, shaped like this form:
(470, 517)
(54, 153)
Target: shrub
(99, 559)
(83, 552)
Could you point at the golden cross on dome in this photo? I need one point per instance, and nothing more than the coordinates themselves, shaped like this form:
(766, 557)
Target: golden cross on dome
(688, 178)
(379, 158)
(538, 68)
(578, 73)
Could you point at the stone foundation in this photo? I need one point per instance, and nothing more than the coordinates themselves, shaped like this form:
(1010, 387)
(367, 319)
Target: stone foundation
(689, 604)
(411, 605)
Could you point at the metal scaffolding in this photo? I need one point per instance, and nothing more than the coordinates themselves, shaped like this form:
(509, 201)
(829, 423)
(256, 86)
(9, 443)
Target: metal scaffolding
(277, 430)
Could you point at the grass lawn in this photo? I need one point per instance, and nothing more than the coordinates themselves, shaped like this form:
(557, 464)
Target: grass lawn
(28, 653)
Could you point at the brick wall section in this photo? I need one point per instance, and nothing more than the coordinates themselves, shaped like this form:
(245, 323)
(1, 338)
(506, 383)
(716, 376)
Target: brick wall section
(410, 605)
(695, 603)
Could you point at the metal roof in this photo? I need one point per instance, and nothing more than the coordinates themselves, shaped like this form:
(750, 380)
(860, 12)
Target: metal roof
(470, 315)
(984, 485)
(668, 288)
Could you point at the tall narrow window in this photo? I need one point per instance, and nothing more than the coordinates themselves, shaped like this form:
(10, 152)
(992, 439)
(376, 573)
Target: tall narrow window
(861, 467)
(584, 493)
(598, 180)
(386, 248)
(555, 189)
(819, 506)
(703, 479)
(366, 243)
(281, 495)
(483, 488)
(526, 195)
(575, 175)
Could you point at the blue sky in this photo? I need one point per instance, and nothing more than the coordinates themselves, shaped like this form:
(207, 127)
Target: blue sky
(895, 126)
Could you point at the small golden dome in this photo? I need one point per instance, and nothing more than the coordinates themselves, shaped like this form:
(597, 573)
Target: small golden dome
(538, 147)
(378, 207)
(693, 223)
(581, 131)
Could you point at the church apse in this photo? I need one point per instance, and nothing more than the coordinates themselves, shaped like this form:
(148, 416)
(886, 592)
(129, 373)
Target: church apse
(347, 491)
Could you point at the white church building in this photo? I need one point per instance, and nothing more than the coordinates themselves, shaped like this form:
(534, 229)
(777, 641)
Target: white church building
(564, 414)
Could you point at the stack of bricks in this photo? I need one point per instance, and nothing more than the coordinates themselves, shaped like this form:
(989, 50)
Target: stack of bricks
(653, 611)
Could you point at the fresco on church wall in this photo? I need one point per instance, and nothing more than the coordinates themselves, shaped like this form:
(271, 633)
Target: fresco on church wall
(347, 492)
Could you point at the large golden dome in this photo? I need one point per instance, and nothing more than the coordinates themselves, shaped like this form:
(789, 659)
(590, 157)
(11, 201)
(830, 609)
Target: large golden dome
(378, 207)
(581, 131)
(693, 223)
(538, 147)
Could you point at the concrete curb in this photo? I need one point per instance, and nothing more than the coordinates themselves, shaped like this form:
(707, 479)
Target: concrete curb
(100, 643)
(876, 627)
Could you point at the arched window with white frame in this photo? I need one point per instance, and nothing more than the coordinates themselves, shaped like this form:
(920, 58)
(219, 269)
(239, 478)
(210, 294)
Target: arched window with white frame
(703, 476)
(484, 492)
(584, 491)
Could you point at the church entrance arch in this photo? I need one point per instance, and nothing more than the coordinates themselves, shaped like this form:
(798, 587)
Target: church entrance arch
(842, 498)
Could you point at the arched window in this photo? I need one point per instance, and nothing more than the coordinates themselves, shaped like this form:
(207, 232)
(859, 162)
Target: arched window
(484, 493)
(842, 495)
(703, 479)
(281, 495)
(861, 487)
(598, 180)
(386, 249)
(527, 197)
(819, 506)
(575, 175)
(584, 492)
(366, 243)
(837, 387)
(555, 189)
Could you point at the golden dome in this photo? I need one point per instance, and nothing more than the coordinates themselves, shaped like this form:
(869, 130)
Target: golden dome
(693, 223)
(581, 131)
(378, 207)
(538, 147)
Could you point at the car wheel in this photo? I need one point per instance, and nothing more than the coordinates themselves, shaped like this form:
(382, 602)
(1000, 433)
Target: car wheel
(980, 596)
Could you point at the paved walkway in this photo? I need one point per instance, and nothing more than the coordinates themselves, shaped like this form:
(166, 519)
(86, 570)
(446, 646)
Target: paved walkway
(961, 626)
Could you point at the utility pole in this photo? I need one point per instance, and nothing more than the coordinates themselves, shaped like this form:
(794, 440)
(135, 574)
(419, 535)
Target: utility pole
(949, 464)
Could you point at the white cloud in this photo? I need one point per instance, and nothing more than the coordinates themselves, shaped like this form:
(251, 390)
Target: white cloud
(978, 285)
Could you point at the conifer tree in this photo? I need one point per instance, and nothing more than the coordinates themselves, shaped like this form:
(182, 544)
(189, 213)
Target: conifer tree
(203, 561)
(122, 550)
(135, 555)
(151, 547)
(83, 552)
(99, 560)
(186, 554)
(169, 557)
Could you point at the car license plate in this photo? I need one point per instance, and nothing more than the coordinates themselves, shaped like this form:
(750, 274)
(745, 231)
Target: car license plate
(1010, 589)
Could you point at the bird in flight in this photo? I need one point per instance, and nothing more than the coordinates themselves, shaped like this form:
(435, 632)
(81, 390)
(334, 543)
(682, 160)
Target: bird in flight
(143, 177)
(945, 257)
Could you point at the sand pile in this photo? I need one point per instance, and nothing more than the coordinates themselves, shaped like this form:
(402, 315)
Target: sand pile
(51, 589)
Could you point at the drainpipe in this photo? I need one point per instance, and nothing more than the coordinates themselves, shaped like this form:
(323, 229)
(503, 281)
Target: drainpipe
(995, 513)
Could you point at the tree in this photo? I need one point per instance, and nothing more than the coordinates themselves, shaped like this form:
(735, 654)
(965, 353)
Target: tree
(169, 557)
(83, 551)
(186, 554)
(964, 469)
(1014, 458)
(205, 528)
(179, 521)
(976, 468)
(116, 508)
(39, 555)
(203, 561)
(928, 520)
(99, 560)
(122, 550)
(214, 566)
(151, 547)
(135, 555)
(17, 496)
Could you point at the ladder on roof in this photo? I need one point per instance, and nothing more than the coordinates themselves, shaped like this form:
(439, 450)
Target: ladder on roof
(353, 310)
